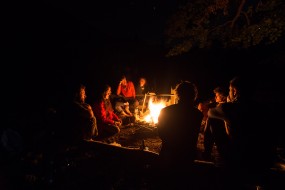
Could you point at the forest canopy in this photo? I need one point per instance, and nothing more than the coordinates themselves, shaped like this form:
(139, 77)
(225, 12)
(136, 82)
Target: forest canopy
(225, 24)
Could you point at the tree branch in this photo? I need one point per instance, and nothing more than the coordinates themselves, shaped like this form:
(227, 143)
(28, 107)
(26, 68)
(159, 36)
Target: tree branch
(238, 12)
(221, 25)
(246, 17)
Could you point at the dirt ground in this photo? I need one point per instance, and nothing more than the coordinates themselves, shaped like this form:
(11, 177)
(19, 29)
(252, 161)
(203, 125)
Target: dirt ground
(110, 167)
(141, 135)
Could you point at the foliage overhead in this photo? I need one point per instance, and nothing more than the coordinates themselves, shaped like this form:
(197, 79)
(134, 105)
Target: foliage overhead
(225, 23)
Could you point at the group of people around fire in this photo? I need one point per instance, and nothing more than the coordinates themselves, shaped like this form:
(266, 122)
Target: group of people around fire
(105, 113)
(233, 122)
(237, 125)
(240, 134)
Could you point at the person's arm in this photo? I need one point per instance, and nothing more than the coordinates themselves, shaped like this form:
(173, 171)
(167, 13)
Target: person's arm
(94, 128)
(103, 114)
(117, 120)
(217, 112)
(115, 117)
(119, 89)
(133, 91)
(146, 89)
(90, 128)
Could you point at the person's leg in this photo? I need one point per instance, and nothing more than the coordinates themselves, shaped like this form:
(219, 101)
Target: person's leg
(119, 108)
(107, 133)
(208, 140)
(127, 110)
(220, 136)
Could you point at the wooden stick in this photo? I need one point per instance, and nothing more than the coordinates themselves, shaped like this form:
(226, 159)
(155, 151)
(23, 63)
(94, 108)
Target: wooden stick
(143, 102)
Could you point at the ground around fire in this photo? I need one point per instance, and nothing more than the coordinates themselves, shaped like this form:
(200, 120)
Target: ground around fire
(144, 136)
(124, 161)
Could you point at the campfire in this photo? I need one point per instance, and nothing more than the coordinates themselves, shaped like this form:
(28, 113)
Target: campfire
(150, 116)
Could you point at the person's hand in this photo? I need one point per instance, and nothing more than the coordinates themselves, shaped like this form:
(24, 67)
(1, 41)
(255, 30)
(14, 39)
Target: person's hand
(118, 123)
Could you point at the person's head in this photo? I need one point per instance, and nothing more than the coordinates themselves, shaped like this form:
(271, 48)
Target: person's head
(107, 92)
(77, 92)
(124, 80)
(186, 91)
(142, 81)
(239, 89)
(101, 92)
(220, 95)
(82, 93)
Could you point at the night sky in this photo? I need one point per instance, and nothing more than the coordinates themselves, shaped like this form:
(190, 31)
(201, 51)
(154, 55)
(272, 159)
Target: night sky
(49, 44)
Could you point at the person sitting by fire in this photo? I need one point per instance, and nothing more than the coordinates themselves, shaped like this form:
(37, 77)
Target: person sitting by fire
(77, 120)
(107, 121)
(142, 87)
(248, 154)
(178, 127)
(214, 129)
(142, 90)
(126, 101)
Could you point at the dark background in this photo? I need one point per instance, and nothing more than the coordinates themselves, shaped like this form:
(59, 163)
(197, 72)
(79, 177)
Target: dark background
(50, 44)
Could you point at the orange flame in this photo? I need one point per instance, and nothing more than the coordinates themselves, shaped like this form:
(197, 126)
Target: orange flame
(154, 110)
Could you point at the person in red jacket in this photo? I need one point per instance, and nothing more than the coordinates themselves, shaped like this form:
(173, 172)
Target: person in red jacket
(108, 122)
(127, 101)
(126, 88)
